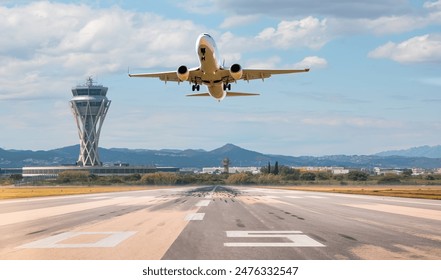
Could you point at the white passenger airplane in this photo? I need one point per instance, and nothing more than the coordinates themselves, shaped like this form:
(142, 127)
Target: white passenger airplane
(212, 73)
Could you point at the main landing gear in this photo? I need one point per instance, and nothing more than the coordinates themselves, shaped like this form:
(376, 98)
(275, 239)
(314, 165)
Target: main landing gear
(227, 86)
(195, 87)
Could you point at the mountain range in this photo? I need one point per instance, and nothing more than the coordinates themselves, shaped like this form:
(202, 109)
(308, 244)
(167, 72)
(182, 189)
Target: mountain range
(423, 157)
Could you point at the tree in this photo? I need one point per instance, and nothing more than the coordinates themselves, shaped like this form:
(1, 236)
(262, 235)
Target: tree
(276, 168)
(357, 176)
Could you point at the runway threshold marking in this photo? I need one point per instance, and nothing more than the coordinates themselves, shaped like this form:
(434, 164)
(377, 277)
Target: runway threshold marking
(295, 239)
(108, 239)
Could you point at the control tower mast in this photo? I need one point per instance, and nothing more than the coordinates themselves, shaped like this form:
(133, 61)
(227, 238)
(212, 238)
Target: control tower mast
(89, 106)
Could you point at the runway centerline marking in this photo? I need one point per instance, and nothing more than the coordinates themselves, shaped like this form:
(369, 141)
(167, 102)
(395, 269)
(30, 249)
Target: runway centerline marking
(203, 203)
(111, 239)
(195, 217)
(296, 239)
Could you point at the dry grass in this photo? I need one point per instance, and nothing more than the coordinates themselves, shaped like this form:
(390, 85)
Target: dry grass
(27, 192)
(426, 192)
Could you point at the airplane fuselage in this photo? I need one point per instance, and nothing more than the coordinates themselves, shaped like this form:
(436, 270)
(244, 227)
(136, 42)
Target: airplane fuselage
(210, 64)
(212, 73)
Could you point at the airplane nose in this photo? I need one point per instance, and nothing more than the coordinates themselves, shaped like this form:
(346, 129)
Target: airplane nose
(203, 40)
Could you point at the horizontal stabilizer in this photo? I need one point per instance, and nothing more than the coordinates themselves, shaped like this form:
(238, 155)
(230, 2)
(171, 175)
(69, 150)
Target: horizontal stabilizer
(232, 94)
(199, 94)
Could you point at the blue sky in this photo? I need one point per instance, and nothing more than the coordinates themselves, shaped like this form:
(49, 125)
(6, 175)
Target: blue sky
(374, 84)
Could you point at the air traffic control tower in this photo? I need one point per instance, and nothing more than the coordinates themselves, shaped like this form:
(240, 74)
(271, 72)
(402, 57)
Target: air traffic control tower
(89, 106)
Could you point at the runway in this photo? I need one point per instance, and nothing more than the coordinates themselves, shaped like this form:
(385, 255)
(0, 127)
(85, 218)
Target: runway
(220, 223)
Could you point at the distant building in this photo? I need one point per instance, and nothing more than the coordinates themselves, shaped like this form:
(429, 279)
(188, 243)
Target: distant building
(6, 172)
(53, 171)
(339, 171)
(335, 170)
(385, 171)
(231, 170)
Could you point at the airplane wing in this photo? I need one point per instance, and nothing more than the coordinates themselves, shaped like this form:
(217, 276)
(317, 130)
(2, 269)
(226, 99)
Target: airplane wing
(171, 76)
(253, 74)
(163, 76)
(229, 94)
(232, 94)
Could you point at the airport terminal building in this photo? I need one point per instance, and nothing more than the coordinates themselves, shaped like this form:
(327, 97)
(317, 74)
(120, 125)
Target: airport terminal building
(53, 171)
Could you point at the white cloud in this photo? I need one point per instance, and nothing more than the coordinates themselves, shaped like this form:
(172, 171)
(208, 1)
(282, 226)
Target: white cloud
(308, 32)
(420, 49)
(313, 62)
(295, 8)
(198, 7)
(238, 21)
(269, 63)
(45, 42)
(433, 5)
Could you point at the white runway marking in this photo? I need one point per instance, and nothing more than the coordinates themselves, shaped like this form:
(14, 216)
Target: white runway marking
(315, 196)
(203, 203)
(113, 239)
(35, 214)
(98, 197)
(295, 197)
(401, 210)
(195, 217)
(296, 239)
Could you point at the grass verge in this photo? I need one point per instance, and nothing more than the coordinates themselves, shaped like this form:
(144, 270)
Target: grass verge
(28, 192)
(425, 192)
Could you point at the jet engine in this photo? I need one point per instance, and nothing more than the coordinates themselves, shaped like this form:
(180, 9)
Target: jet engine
(183, 73)
(236, 71)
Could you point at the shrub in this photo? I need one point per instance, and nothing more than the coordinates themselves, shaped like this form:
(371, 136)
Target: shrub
(307, 176)
(389, 179)
(160, 178)
(357, 176)
(72, 176)
(239, 179)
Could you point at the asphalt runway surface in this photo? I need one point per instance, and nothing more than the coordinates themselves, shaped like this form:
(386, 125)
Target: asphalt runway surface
(220, 223)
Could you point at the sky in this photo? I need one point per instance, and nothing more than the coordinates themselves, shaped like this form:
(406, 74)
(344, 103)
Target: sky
(374, 84)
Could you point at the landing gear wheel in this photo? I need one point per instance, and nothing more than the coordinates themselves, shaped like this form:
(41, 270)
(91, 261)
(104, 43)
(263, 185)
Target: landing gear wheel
(227, 86)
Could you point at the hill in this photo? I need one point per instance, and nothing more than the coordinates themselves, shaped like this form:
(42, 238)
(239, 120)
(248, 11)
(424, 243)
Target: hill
(422, 151)
(200, 158)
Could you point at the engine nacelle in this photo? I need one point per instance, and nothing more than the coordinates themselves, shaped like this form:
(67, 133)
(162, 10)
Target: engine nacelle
(183, 73)
(236, 71)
